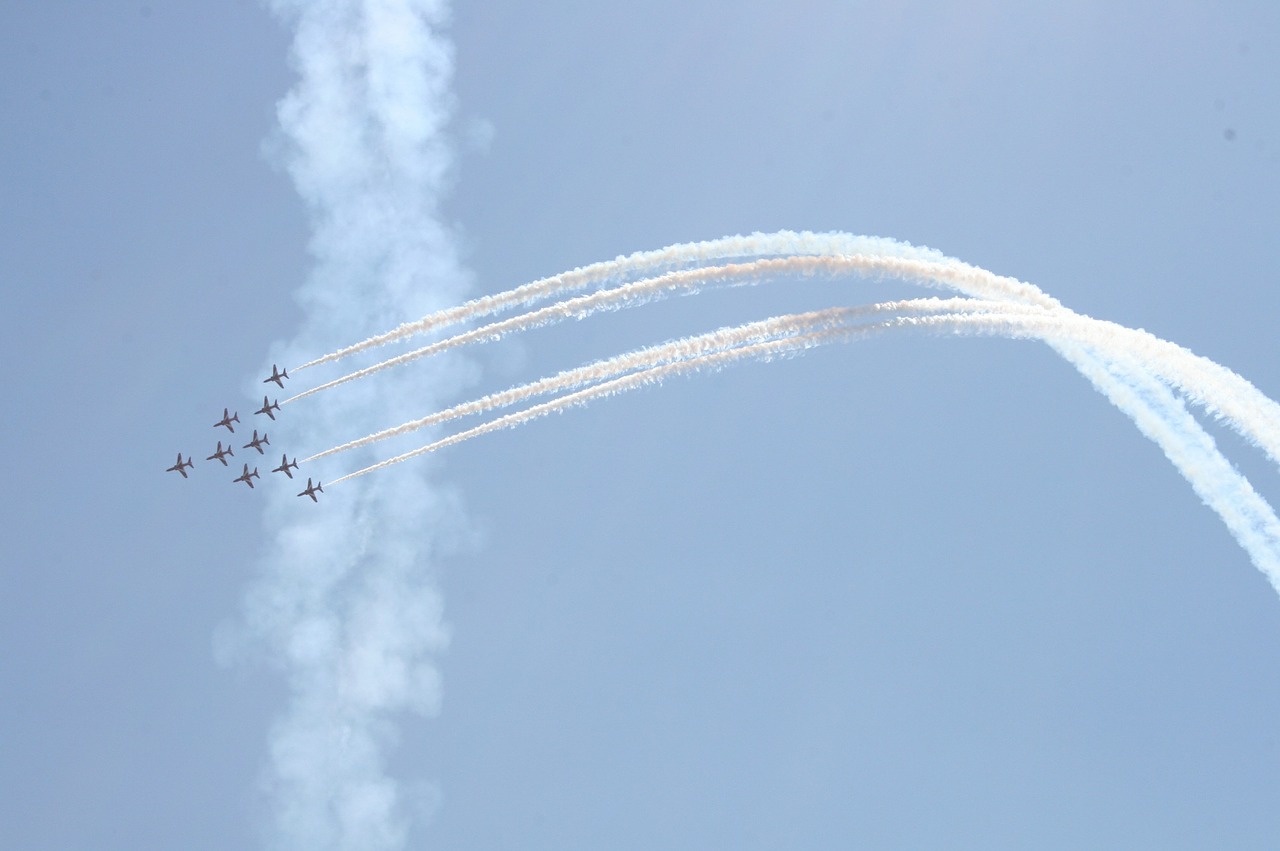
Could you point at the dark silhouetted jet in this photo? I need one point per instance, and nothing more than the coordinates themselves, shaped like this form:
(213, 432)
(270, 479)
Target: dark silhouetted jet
(178, 467)
(258, 442)
(227, 419)
(268, 407)
(246, 476)
(285, 466)
(311, 490)
(276, 375)
(221, 454)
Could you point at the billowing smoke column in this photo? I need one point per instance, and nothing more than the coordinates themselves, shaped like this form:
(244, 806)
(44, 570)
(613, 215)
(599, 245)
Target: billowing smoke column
(344, 602)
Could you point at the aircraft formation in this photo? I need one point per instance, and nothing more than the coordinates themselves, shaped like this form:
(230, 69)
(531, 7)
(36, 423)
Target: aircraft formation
(220, 453)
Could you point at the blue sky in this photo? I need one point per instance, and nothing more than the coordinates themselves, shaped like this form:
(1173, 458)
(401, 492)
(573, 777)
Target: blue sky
(916, 592)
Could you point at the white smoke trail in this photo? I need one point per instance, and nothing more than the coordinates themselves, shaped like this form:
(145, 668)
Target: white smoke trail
(612, 387)
(682, 349)
(1121, 362)
(1165, 420)
(648, 263)
(344, 604)
(574, 378)
(1251, 413)
(931, 273)
(1223, 393)
(784, 340)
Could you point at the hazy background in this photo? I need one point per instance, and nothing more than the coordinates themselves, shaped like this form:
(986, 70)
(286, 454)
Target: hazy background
(913, 592)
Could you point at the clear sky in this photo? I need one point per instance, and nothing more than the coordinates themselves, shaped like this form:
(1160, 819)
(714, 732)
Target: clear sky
(913, 592)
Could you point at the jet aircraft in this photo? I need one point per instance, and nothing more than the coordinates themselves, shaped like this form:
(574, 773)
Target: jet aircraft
(178, 467)
(311, 490)
(258, 442)
(227, 419)
(276, 375)
(268, 407)
(285, 465)
(221, 454)
(246, 476)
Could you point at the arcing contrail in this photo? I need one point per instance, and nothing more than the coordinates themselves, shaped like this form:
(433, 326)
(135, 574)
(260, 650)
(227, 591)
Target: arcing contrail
(612, 387)
(574, 378)
(951, 275)
(651, 263)
(1248, 411)
(1122, 363)
(1222, 392)
(344, 604)
(682, 349)
(1165, 420)
(787, 335)
(1235, 399)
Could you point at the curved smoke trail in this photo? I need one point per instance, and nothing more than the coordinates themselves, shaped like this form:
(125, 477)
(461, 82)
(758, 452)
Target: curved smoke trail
(1126, 365)
(651, 263)
(1220, 391)
(1249, 412)
(655, 375)
(682, 349)
(344, 602)
(930, 273)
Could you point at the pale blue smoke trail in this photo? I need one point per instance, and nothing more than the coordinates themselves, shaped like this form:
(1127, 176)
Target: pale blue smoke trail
(1165, 420)
(344, 603)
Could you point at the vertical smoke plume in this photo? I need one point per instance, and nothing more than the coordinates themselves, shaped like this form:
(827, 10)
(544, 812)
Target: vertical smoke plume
(343, 603)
